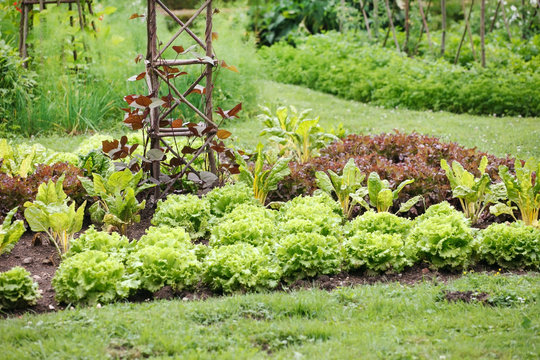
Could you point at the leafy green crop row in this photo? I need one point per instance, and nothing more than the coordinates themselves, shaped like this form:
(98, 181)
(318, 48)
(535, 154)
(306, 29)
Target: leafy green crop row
(254, 248)
(340, 65)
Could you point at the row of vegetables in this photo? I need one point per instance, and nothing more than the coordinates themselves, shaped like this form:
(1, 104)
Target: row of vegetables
(252, 247)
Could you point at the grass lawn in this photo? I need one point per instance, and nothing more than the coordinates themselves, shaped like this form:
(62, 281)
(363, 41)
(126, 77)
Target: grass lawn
(499, 136)
(385, 321)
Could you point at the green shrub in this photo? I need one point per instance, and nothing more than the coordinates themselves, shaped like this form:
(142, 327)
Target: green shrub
(318, 214)
(383, 222)
(17, 289)
(344, 66)
(443, 237)
(224, 199)
(187, 211)
(378, 251)
(513, 246)
(240, 266)
(16, 83)
(156, 267)
(304, 255)
(91, 277)
(93, 239)
(165, 237)
(251, 224)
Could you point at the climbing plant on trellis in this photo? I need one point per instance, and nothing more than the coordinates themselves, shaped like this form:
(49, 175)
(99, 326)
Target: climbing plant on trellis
(157, 113)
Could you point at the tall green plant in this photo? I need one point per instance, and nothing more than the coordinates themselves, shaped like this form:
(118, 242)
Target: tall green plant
(262, 181)
(522, 189)
(474, 194)
(343, 186)
(117, 206)
(381, 196)
(295, 133)
(50, 213)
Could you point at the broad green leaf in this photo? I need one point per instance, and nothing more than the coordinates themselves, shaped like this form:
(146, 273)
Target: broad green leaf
(359, 195)
(406, 206)
(500, 208)
(277, 173)
(99, 185)
(119, 181)
(384, 199)
(483, 165)
(512, 187)
(375, 185)
(37, 219)
(26, 164)
(77, 221)
(61, 221)
(88, 185)
(401, 186)
(323, 182)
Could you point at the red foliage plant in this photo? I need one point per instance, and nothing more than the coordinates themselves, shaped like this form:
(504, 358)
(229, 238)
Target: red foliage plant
(395, 157)
(15, 191)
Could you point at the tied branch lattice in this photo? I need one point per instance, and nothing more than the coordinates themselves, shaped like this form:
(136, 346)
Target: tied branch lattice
(157, 113)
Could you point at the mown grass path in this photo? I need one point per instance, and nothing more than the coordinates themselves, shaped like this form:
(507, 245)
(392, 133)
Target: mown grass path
(385, 321)
(499, 136)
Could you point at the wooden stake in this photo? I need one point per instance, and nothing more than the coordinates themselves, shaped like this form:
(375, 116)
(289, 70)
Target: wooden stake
(443, 25)
(209, 109)
(483, 31)
(464, 32)
(376, 18)
(366, 20)
(407, 26)
(495, 15)
(390, 15)
(506, 21)
(523, 19)
(424, 20)
(421, 32)
(153, 85)
(71, 22)
(81, 19)
(23, 33)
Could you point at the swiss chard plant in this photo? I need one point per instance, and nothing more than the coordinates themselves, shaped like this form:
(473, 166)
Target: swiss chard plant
(117, 207)
(381, 196)
(10, 232)
(342, 185)
(260, 179)
(474, 194)
(295, 134)
(522, 189)
(50, 213)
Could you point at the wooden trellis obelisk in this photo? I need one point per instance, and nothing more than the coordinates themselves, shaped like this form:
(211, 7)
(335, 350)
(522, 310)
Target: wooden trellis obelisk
(158, 77)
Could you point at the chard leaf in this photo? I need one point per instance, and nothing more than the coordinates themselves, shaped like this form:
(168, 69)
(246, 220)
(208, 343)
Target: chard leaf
(406, 206)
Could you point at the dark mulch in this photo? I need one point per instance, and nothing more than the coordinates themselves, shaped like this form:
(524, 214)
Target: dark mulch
(466, 296)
